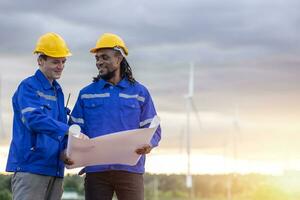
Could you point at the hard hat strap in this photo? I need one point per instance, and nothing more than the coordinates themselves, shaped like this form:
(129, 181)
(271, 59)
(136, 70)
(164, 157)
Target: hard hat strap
(120, 50)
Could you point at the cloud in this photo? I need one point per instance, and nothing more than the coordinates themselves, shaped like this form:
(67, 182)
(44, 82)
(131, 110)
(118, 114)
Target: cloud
(265, 26)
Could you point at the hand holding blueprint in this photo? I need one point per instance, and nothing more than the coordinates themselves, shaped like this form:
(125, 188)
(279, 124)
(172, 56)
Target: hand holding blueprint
(114, 148)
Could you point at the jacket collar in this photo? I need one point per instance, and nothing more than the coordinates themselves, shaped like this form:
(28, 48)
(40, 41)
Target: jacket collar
(124, 83)
(45, 82)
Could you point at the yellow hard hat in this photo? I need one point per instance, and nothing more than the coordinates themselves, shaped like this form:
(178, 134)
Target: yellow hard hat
(109, 40)
(53, 45)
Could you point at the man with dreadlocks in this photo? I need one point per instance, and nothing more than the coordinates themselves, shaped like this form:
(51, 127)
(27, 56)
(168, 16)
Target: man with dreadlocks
(114, 102)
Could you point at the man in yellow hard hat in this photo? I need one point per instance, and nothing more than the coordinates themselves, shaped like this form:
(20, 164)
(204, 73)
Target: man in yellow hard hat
(40, 126)
(114, 102)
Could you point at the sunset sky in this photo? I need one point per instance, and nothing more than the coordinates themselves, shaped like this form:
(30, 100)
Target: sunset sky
(246, 57)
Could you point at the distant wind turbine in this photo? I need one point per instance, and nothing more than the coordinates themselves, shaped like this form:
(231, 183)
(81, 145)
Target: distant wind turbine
(235, 137)
(190, 106)
(237, 132)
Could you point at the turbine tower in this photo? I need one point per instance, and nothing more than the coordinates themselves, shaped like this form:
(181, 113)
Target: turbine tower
(237, 132)
(189, 107)
(235, 139)
(189, 99)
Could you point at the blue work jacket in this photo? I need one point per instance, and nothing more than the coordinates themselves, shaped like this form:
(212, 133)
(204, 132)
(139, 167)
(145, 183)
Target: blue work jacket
(39, 127)
(103, 108)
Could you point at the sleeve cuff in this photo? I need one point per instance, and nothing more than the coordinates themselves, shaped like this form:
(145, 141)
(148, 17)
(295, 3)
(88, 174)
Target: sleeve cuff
(62, 132)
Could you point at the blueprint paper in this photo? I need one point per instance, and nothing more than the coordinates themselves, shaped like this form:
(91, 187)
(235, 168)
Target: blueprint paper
(114, 148)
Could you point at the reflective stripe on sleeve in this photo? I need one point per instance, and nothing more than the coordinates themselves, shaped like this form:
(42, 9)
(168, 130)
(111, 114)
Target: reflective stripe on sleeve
(77, 120)
(147, 121)
(28, 109)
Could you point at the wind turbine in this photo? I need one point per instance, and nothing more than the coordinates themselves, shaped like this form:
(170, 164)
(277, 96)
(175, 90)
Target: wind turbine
(237, 132)
(189, 99)
(190, 106)
(235, 137)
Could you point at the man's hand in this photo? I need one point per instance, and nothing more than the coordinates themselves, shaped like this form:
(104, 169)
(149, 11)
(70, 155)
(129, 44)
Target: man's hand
(144, 150)
(65, 159)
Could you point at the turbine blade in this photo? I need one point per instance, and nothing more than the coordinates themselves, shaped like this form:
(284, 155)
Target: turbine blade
(191, 80)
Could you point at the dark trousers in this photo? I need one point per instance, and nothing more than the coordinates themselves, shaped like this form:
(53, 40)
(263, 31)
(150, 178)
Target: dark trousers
(102, 185)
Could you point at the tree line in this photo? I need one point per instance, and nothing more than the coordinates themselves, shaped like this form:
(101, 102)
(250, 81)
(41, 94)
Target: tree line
(208, 187)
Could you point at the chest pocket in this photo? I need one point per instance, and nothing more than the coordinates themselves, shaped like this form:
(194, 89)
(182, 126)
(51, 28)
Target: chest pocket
(92, 107)
(131, 111)
(130, 104)
(93, 111)
(47, 108)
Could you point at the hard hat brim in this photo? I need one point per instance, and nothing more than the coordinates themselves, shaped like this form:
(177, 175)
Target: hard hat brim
(95, 49)
(53, 55)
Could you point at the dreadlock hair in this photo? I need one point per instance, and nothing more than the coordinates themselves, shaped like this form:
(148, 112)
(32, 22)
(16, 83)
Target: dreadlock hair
(126, 72)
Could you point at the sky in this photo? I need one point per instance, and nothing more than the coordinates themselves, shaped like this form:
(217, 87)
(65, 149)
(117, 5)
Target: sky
(246, 58)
